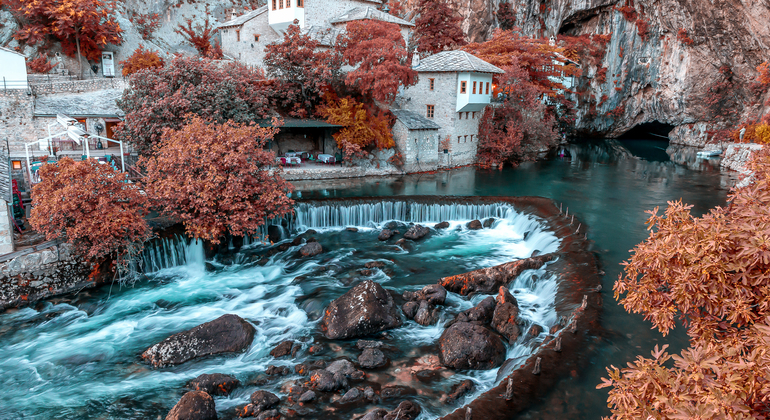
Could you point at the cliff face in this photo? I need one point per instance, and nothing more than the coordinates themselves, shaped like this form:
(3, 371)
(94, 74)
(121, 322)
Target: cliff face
(696, 81)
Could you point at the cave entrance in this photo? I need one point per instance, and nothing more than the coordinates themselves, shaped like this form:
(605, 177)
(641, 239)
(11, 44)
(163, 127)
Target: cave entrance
(648, 140)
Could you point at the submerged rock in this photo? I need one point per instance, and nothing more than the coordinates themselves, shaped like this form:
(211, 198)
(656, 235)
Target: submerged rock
(368, 344)
(285, 348)
(396, 391)
(375, 264)
(352, 229)
(194, 405)
(372, 358)
(416, 232)
(226, 334)
(488, 280)
(365, 309)
(469, 346)
(474, 225)
(458, 391)
(375, 414)
(264, 400)
(353, 395)
(310, 249)
(385, 234)
(277, 370)
(307, 396)
(535, 330)
(410, 309)
(214, 384)
(442, 225)
(407, 410)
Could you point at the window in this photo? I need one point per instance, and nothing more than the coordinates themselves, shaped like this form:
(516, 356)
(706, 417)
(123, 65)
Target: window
(463, 87)
(16, 164)
(429, 114)
(432, 83)
(466, 115)
(487, 88)
(237, 35)
(474, 117)
(300, 3)
(471, 138)
(474, 88)
(458, 138)
(280, 4)
(256, 37)
(465, 140)
(288, 3)
(274, 4)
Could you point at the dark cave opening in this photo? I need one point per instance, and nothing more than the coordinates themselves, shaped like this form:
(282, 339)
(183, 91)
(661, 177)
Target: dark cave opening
(654, 130)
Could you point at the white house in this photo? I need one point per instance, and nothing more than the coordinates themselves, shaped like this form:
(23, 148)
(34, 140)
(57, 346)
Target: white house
(244, 37)
(452, 89)
(13, 71)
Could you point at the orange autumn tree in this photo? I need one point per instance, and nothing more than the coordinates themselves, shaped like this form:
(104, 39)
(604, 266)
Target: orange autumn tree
(378, 52)
(713, 274)
(141, 59)
(362, 126)
(215, 178)
(84, 27)
(92, 207)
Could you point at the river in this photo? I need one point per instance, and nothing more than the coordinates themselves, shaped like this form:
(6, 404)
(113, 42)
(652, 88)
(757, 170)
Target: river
(78, 356)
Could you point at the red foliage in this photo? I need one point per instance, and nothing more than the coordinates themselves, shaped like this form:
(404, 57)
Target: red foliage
(70, 196)
(189, 85)
(363, 127)
(200, 38)
(764, 74)
(40, 65)
(721, 102)
(601, 75)
(628, 12)
(379, 52)
(146, 24)
(304, 72)
(642, 28)
(506, 16)
(396, 8)
(214, 178)
(683, 37)
(617, 113)
(585, 49)
(437, 28)
(82, 26)
(141, 59)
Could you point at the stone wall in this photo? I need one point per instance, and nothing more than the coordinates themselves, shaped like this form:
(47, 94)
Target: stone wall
(418, 147)
(6, 229)
(737, 155)
(43, 274)
(247, 50)
(42, 87)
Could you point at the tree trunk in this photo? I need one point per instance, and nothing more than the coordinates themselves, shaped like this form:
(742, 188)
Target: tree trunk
(80, 59)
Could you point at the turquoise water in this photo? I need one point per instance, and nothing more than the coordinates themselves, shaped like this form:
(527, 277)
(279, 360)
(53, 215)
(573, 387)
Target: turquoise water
(78, 356)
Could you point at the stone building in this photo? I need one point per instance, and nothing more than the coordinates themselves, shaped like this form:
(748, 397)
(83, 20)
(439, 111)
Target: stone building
(418, 140)
(13, 71)
(452, 90)
(244, 37)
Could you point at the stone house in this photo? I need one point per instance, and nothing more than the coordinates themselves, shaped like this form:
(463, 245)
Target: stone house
(418, 140)
(244, 37)
(452, 90)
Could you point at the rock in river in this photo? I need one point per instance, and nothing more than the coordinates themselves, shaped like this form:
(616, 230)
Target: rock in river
(505, 317)
(385, 234)
(214, 384)
(226, 334)
(474, 225)
(488, 280)
(416, 232)
(365, 309)
(469, 346)
(194, 405)
(310, 249)
(372, 358)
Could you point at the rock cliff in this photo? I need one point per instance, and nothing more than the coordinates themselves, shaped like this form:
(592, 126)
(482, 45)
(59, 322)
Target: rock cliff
(687, 64)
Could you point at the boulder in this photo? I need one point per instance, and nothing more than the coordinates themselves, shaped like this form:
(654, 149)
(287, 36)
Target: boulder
(505, 317)
(284, 349)
(269, 415)
(214, 384)
(365, 309)
(353, 395)
(342, 366)
(407, 410)
(427, 314)
(535, 330)
(469, 346)
(226, 334)
(442, 225)
(352, 229)
(481, 313)
(372, 358)
(310, 249)
(264, 400)
(385, 234)
(474, 225)
(389, 392)
(274, 233)
(375, 414)
(488, 280)
(277, 370)
(325, 381)
(194, 405)
(375, 264)
(410, 309)
(458, 391)
(489, 222)
(434, 293)
(416, 232)
(307, 396)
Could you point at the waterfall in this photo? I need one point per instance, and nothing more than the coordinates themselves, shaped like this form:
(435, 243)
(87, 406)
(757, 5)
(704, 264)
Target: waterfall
(172, 252)
(339, 215)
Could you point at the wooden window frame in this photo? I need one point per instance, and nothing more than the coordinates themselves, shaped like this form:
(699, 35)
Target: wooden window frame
(300, 3)
(16, 165)
(275, 4)
(237, 35)
(256, 37)
(474, 87)
(431, 83)
(288, 4)
(463, 87)
(430, 111)
(487, 88)
(280, 4)
(458, 139)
